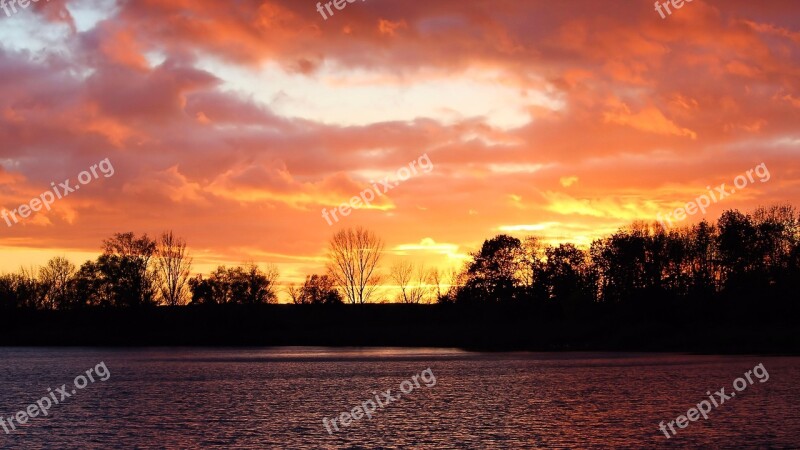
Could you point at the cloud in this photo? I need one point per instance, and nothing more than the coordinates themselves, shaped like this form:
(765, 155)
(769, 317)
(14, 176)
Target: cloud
(235, 123)
(649, 119)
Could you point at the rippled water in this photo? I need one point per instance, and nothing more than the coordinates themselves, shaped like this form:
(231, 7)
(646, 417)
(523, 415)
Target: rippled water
(277, 398)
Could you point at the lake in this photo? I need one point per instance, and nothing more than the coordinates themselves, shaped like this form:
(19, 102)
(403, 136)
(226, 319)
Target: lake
(268, 398)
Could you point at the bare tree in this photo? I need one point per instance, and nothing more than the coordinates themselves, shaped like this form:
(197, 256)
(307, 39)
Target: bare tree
(54, 279)
(436, 279)
(296, 294)
(421, 287)
(401, 274)
(264, 284)
(414, 286)
(447, 283)
(172, 266)
(353, 257)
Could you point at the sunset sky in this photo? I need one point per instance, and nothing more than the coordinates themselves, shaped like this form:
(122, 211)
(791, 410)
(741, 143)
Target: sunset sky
(234, 123)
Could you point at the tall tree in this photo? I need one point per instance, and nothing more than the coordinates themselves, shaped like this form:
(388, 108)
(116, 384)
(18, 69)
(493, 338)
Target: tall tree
(125, 264)
(401, 273)
(172, 267)
(703, 260)
(738, 249)
(532, 269)
(353, 256)
(777, 235)
(493, 275)
(55, 279)
(91, 286)
(260, 286)
(568, 276)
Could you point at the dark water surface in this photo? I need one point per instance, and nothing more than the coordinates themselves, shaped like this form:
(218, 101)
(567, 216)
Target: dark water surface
(277, 398)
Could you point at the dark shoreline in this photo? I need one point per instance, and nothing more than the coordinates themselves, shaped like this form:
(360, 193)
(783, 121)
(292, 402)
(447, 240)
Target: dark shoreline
(674, 328)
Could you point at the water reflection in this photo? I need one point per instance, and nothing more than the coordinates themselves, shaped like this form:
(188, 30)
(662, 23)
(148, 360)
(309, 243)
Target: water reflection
(277, 398)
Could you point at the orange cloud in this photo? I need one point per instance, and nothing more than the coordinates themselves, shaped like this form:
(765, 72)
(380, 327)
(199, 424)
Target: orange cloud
(228, 122)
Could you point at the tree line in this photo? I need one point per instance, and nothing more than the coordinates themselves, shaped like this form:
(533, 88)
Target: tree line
(134, 271)
(752, 257)
(748, 257)
(745, 256)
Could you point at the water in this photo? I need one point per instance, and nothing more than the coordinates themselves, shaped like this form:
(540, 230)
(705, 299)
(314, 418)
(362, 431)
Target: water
(277, 398)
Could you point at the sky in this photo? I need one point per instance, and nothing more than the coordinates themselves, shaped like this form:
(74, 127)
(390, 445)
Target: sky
(235, 123)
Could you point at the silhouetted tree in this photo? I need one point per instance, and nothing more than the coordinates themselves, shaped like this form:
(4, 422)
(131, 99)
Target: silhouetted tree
(91, 286)
(242, 285)
(172, 268)
(437, 281)
(296, 294)
(777, 235)
(254, 286)
(738, 250)
(19, 290)
(703, 260)
(201, 290)
(316, 290)
(628, 264)
(448, 284)
(413, 283)
(742, 257)
(533, 279)
(401, 273)
(353, 256)
(569, 276)
(125, 265)
(55, 280)
(493, 273)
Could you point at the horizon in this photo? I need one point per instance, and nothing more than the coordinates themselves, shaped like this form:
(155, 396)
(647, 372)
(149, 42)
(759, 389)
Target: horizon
(388, 288)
